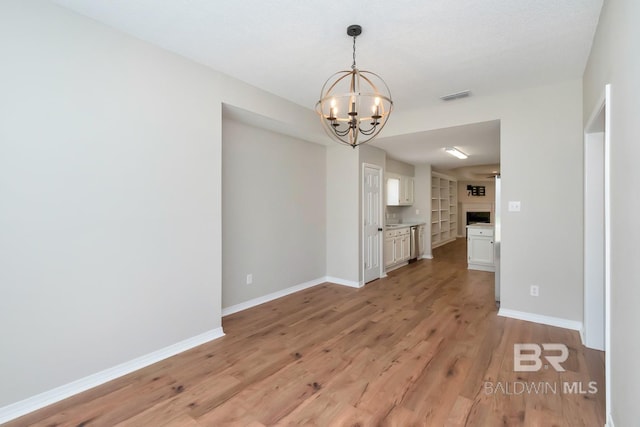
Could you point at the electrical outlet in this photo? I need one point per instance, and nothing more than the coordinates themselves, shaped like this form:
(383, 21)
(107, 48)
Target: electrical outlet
(514, 206)
(417, 211)
(249, 279)
(534, 291)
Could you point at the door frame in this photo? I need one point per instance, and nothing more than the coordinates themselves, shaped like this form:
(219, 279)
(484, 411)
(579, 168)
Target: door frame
(381, 216)
(598, 131)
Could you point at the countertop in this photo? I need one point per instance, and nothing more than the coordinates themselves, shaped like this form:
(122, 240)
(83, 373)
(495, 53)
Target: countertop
(403, 225)
(480, 225)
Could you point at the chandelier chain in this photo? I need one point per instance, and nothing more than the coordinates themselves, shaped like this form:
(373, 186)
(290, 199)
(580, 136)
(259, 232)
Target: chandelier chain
(353, 66)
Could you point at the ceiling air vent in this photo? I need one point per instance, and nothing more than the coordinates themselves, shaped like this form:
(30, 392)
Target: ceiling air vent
(457, 95)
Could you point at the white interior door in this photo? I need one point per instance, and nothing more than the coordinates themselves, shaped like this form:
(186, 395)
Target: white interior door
(372, 222)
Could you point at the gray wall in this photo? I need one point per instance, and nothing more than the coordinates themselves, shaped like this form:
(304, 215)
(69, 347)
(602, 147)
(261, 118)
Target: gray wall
(273, 212)
(109, 248)
(422, 203)
(540, 150)
(343, 209)
(399, 167)
(110, 181)
(615, 59)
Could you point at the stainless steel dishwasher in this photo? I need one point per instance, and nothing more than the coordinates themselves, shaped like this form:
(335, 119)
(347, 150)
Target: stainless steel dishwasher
(414, 243)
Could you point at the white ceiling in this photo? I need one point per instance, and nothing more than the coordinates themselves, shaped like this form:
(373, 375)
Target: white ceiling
(422, 48)
(480, 141)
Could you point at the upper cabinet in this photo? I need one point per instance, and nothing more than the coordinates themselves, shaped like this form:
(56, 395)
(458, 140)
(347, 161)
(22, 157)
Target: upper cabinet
(399, 190)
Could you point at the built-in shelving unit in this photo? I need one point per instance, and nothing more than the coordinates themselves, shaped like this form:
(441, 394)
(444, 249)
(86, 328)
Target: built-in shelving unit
(444, 209)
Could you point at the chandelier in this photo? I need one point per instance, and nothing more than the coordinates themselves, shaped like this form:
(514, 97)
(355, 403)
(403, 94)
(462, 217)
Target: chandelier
(352, 108)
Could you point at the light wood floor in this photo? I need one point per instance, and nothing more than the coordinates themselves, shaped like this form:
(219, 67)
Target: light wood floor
(422, 347)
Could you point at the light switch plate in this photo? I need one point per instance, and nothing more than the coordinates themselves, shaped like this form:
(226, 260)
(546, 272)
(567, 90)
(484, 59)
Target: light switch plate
(514, 206)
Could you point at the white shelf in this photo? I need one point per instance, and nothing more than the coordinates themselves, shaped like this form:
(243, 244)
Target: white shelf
(444, 209)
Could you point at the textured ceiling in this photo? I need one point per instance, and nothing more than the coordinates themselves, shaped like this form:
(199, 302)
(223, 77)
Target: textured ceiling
(422, 48)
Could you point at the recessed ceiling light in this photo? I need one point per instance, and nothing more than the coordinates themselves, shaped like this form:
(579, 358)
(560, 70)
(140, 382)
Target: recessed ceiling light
(456, 153)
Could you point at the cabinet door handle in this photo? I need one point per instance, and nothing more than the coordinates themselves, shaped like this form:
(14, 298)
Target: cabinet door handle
(379, 229)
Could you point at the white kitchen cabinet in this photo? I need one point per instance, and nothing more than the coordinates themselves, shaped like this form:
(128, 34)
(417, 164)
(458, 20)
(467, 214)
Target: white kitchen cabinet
(480, 247)
(399, 190)
(389, 250)
(397, 246)
(405, 245)
(406, 185)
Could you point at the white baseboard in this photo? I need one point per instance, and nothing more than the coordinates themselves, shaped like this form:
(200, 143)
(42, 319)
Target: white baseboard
(538, 318)
(57, 394)
(270, 297)
(491, 268)
(397, 266)
(343, 282)
(582, 337)
(426, 256)
(284, 292)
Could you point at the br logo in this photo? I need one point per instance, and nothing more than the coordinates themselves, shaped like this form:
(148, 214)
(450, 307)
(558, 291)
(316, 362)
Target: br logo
(528, 357)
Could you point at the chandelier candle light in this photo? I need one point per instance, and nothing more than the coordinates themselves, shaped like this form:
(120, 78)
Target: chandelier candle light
(351, 107)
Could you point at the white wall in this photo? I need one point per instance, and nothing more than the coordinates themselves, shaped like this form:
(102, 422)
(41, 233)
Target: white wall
(273, 212)
(110, 181)
(541, 160)
(615, 59)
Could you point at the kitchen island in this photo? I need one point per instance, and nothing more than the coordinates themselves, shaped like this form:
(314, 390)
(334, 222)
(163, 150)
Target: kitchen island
(480, 247)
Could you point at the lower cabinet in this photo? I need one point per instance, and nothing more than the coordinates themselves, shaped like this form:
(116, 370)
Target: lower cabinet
(480, 248)
(389, 251)
(397, 246)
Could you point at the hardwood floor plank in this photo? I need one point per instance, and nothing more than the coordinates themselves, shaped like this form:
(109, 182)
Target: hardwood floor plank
(459, 412)
(422, 347)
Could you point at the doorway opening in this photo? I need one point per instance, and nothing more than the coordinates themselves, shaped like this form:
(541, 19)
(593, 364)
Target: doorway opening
(597, 235)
